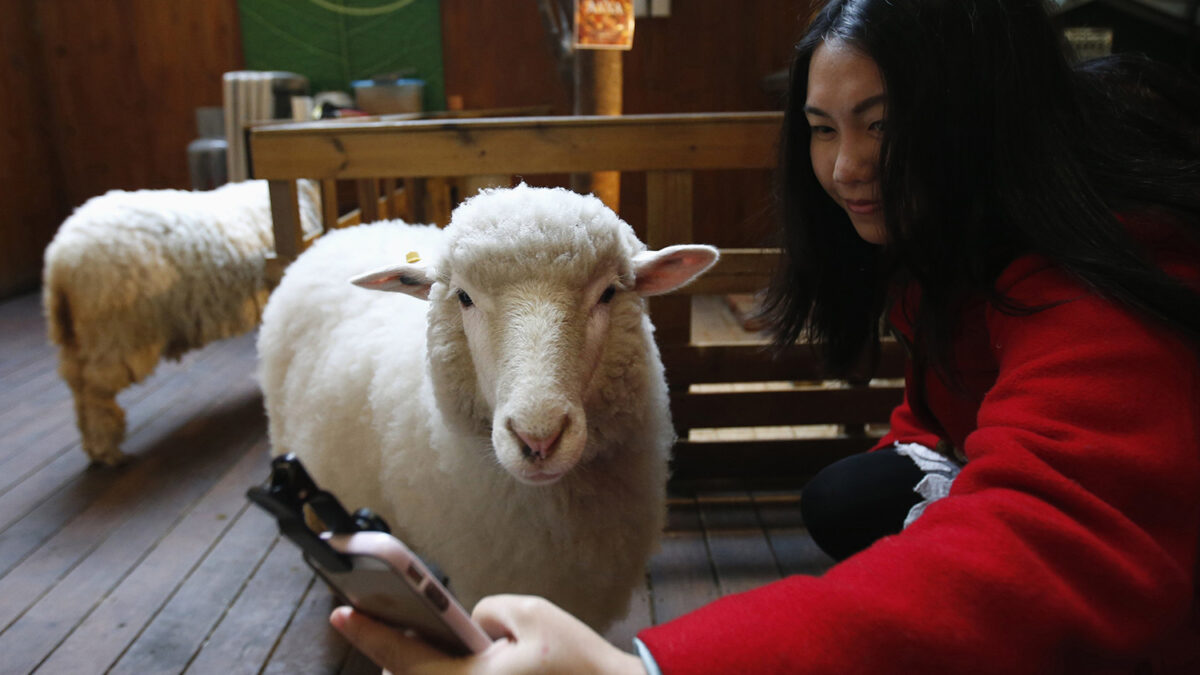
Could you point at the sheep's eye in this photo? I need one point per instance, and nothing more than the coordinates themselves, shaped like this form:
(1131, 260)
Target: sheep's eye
(465, 299)
(607, 296)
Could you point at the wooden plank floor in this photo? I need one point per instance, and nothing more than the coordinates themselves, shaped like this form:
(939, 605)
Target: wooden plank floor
(159, 566)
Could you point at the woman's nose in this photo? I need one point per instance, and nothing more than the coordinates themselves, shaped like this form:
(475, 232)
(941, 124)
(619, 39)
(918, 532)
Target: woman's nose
(857, 162)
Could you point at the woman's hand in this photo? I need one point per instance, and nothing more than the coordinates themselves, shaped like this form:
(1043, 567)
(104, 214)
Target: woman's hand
(532, 636)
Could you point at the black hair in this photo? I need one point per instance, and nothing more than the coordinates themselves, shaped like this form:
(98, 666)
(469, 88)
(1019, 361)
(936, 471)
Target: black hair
(994, 147)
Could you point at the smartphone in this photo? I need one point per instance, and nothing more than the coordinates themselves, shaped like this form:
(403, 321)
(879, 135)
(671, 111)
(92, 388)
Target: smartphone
(389, 582)
(364, 564)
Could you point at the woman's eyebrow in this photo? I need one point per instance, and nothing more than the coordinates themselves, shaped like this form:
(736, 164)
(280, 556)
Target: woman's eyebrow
(868, 103)
(859, 108)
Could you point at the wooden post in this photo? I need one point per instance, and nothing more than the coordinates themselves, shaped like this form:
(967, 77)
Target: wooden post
(598, 92)
(329, 204)
(285, 222)
(368, 199)
(668, 222)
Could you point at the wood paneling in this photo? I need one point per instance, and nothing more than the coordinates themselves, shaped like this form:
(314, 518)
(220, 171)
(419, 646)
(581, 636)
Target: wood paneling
(496, 54)
(708, 56)
(712, 56)
(30, 202)
(124, 81)
(101, 95)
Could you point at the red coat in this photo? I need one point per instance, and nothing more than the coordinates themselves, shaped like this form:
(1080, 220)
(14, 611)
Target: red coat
(1067, 544)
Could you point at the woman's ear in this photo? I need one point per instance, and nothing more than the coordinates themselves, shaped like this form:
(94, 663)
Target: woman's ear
(658, 272)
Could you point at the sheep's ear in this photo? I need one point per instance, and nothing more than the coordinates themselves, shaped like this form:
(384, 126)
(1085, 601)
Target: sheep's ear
(414, 280)
(658, 272)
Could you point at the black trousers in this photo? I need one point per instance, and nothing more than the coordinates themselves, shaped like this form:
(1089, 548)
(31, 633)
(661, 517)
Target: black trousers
(855, 501)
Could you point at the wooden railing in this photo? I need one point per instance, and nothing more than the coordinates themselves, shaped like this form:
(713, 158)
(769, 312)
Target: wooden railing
(802, 421)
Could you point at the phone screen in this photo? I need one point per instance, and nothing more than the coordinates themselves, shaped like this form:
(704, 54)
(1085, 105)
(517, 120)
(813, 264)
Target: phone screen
(372, 586)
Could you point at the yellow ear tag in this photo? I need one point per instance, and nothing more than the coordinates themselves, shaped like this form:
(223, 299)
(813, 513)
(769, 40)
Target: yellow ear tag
(412, 257)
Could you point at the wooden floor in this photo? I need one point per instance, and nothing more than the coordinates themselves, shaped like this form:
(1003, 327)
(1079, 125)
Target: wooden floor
(160, 566)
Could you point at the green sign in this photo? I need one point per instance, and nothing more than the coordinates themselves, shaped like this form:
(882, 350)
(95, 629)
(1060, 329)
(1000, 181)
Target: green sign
(334, 42)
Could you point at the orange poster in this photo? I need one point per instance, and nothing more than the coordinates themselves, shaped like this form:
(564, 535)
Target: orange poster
(604, 24)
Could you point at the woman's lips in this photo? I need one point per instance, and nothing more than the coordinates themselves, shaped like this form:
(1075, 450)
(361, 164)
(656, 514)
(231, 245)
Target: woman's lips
(861, 206)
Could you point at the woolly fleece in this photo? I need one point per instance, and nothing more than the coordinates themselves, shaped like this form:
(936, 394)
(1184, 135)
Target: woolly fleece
(377, 394)
(134, 277)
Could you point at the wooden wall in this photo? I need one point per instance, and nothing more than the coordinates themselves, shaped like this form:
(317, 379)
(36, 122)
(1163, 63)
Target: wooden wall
(708, 56)
(30, 194)
(100, 95)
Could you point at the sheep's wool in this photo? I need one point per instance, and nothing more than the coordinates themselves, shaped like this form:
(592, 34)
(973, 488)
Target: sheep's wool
(379, 395)
(133, 277)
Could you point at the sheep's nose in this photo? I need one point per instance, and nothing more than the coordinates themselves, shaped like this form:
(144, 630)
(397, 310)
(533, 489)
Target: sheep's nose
(536, 448)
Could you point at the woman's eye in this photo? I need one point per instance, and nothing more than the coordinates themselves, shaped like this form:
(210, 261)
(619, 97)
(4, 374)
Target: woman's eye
(822, 131)
(878, 126)
(607, 296)
(465, 299)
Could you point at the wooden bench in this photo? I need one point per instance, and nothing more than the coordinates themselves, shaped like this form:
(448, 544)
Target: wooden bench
(741, 415)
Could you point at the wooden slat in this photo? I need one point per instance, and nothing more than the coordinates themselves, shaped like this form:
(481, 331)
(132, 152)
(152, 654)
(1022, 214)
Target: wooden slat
(669, 221)
(469, 186)
(54, 615)
(788, 463)
(777, 408)
(532, 145)
(387, 201)
(668, 208)
(102, 637)
(285, 216)
(414, 192)
(681, 577)
(753, 363)
(740, 270)
(329, 204)
(439, 201)
(672, 316)
(793, 548)
(34, 431)
(309, 646)
(23, 331)
(401, 205)
(62, 492)
(368, 199)
(244, 638)
(738, 545)
(38, 377)
(170, 640)
(25, 420)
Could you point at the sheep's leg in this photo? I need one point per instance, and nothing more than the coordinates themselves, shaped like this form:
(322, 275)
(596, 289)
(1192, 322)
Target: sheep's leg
(100, 419)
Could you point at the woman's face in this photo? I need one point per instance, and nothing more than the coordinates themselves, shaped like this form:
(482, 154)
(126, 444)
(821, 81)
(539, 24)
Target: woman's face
(846, 107)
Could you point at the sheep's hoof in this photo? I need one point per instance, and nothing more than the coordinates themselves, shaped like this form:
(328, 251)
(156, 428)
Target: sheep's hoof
(110, 458)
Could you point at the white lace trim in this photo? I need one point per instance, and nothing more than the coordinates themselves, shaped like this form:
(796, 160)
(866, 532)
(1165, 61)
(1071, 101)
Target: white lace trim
(940, 472)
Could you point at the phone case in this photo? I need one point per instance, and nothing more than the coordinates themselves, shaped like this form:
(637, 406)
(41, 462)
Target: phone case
(362, 562)
(388, 581)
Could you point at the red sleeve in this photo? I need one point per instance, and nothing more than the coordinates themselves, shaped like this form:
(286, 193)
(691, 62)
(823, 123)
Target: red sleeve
(906, 427)
(1068, 541)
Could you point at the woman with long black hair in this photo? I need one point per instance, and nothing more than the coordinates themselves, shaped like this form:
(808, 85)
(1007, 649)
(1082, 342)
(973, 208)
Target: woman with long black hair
(1031, 232)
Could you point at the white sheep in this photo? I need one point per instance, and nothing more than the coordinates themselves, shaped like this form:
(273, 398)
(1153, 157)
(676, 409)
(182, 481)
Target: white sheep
(134, 277)
(515, 428)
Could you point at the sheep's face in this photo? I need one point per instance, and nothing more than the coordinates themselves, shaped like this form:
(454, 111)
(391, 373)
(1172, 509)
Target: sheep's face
(536, 345)
(527, 301)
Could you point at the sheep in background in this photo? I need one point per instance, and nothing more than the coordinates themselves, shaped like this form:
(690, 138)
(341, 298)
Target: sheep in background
(133, 277)
(515, 428)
